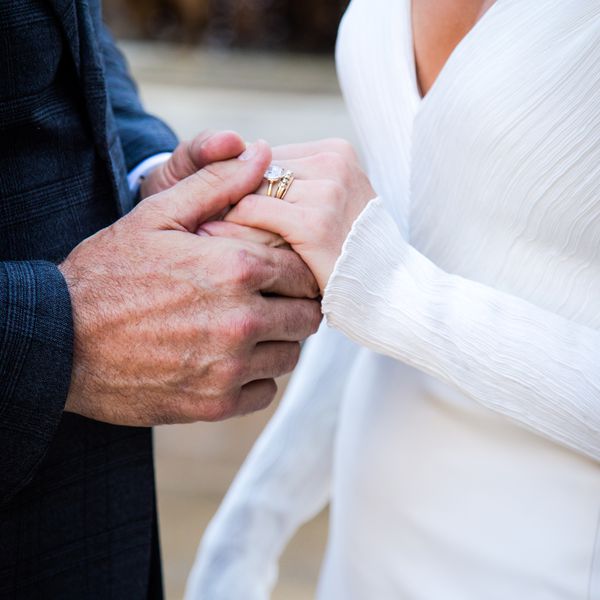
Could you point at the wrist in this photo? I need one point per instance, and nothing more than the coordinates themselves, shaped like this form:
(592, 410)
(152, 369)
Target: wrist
(141, 178)
(75, 385)
(78, 274)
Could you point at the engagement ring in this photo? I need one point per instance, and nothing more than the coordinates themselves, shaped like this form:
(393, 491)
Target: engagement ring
(274, 174)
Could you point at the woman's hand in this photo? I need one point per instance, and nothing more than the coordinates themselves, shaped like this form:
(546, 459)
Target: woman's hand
(328, 194)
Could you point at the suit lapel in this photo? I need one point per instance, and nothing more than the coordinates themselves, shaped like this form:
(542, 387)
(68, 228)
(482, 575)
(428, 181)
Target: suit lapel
(66, 13)
(77, 19)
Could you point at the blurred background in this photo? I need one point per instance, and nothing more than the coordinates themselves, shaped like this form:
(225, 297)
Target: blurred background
(309, 25)
(266, 69)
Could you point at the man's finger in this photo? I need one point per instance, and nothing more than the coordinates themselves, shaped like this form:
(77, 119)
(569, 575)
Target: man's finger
(190, 156)
(256, 396)
(219, 146)
(286, 274)
(208, 191)
(181, 164)
(270, 360)
(288, 319)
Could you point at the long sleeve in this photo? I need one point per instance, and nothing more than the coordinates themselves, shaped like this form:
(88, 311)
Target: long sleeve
(527, 363)
(142, 135)
(36, 347)
(284, 482)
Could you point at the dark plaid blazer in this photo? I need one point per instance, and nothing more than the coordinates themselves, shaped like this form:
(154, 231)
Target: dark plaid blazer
(77, 506)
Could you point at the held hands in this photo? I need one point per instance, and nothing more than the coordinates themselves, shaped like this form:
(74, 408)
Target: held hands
(174, 327)
(328, 194)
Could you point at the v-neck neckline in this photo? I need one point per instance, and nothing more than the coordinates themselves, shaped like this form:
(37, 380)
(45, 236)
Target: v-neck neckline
(452, 57)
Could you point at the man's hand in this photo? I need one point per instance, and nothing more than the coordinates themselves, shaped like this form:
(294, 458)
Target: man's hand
(191, 156)
(175, 327)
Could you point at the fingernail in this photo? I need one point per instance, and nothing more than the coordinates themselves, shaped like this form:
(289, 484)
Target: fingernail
(250, 152)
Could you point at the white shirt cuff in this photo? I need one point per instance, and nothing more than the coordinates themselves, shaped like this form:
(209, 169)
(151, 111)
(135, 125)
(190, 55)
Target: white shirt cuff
(134, 178)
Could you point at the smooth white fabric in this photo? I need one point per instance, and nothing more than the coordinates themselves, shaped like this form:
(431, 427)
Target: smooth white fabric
(464, 435)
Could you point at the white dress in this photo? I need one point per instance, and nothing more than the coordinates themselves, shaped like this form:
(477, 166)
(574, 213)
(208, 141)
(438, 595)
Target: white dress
(458, 436)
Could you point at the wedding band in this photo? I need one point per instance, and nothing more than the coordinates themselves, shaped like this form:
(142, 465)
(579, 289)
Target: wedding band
(284, 185)
(274, 174)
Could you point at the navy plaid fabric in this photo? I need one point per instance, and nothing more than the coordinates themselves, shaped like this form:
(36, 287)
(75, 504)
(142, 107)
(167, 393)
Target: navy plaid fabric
(77, 507)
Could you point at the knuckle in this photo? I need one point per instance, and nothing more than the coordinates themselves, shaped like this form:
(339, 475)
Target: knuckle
(231, 372)
(245, 269)
(154, 213)
(221, 409)
(243, 327)
(148, 212)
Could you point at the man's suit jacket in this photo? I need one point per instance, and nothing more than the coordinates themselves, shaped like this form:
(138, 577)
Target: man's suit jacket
(77, 504)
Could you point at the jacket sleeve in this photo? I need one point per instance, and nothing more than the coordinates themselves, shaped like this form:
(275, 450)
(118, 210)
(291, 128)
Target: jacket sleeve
(36, 349)
(142, 135)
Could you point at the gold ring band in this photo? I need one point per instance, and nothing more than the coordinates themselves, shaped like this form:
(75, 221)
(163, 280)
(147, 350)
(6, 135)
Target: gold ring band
(284, 185)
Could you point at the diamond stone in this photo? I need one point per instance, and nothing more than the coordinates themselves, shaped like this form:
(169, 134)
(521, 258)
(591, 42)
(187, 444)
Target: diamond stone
(274, 172)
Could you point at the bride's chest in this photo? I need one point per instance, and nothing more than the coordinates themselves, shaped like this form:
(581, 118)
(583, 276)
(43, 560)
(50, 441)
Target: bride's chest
(496, 173)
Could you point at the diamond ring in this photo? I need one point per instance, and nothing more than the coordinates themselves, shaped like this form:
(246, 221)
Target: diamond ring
(274, 174)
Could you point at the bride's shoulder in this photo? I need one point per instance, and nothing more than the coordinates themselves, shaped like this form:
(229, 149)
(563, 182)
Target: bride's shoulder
(364, 19)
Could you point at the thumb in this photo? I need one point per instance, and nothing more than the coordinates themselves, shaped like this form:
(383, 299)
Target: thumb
(222, 145)
(190, 156)
(214, 188)
(206, 148)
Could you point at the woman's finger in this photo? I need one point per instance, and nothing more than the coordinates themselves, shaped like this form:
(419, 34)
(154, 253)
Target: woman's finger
(324, 166)
(270, 214)
(307, 193)
(303, 150)
(241, 232)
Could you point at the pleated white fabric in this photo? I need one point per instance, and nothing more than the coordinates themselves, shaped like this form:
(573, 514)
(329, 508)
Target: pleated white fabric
(459, 436)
